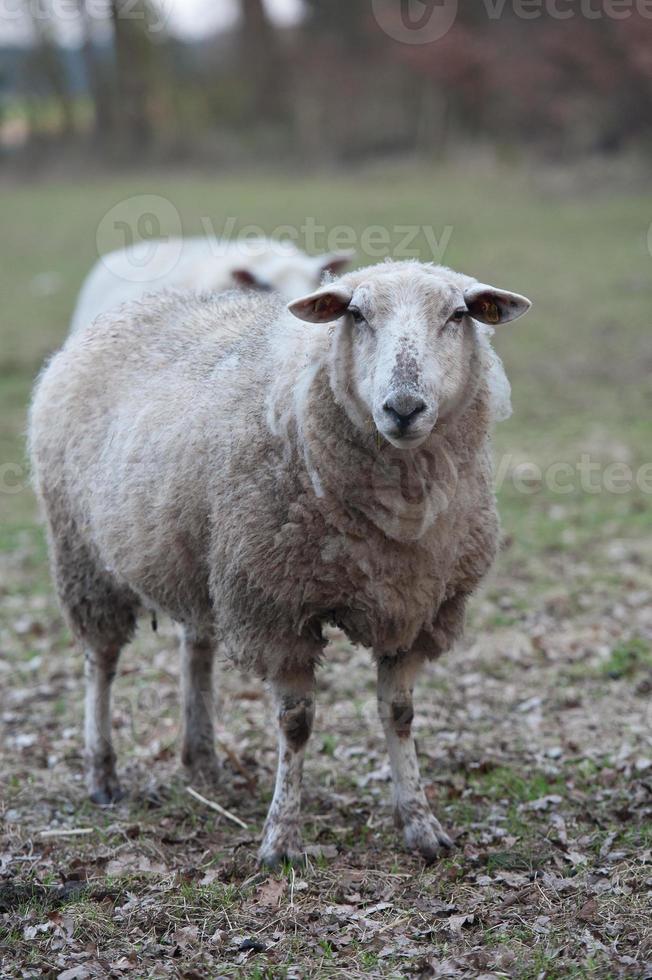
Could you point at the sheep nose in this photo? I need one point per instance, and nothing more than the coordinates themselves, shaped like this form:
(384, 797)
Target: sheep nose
(403, 409)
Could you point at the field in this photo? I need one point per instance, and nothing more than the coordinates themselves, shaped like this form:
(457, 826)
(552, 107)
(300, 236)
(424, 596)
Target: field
(535, 736)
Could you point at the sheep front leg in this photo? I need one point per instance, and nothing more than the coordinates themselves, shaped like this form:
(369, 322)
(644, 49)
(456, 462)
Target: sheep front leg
(422, 831)
(99, 670)
(294, 698)
(198, 732)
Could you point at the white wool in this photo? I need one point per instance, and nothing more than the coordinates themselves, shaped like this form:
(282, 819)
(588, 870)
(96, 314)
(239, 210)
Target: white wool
(500, 390)
(201, 265)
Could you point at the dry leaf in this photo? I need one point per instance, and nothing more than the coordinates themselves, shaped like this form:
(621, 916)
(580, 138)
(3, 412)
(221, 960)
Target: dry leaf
(589, 911)
(133, 863)
(456, 922)
(270, 892)
(186, 936)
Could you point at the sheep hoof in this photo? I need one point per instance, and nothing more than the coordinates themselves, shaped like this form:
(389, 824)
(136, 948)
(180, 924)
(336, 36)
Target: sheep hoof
(273, 860)
(106, 791)
(276, 851)
(428, 839)
(203, 771)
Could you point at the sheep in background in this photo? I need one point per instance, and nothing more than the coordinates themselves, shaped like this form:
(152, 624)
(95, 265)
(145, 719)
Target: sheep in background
(202, 265)
(217, 459)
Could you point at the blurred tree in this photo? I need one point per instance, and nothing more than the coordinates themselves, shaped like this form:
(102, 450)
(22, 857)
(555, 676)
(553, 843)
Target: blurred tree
(349, 21)
(451, 79)
(134, 57)
(44, 63)
(97, 77)
(632, 81)
(337, 87)
(262, 62)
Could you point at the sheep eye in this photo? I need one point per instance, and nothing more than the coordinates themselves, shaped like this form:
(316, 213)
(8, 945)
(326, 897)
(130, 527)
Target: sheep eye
(458, 316)
(357, 315)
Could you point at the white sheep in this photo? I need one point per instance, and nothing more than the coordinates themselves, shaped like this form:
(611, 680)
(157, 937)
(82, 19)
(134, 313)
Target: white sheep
(256, 478)
(203, 265)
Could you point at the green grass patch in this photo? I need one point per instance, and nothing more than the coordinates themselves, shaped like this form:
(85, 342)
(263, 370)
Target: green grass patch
(503, 783)
(627, 659)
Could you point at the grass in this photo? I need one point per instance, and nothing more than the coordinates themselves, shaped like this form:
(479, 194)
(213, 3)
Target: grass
(511, 784)
(628, 658)
(547, 699)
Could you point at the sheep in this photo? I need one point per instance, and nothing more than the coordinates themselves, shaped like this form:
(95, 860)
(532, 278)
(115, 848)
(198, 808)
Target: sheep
(215, 458)
(200, 264)
(204, 264)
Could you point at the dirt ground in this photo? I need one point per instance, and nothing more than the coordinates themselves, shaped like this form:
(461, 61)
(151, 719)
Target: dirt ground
(536, 746)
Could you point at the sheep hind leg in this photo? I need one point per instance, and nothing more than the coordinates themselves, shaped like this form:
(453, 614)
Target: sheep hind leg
(421, 829)
(99, 670)
(198, 732)
(294, 697)
(102, 617)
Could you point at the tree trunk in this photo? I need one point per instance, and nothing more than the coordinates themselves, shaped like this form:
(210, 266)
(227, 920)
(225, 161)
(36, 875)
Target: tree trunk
(131, 59)
(48, 65)
(96, 78)
(263, 61)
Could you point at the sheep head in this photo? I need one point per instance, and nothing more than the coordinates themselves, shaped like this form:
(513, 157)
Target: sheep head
(279, 266)
(405, 349)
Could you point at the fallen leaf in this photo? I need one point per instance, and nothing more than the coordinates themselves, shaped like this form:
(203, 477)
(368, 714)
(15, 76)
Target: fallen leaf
(606, 844)
(576, 858)
(270, 892)
(211, 876)
(131, 863)
(321, 851)
(543, 803)
(31, 932)
(186, 936)
(589, 911)
(456, 922)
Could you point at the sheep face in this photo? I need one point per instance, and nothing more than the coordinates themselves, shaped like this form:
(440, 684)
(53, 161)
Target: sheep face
(405, 350)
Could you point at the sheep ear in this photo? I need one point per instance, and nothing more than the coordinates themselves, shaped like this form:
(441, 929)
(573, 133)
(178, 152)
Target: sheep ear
(327, 304)
(245, 279)
(493, 306)
(334, 262)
